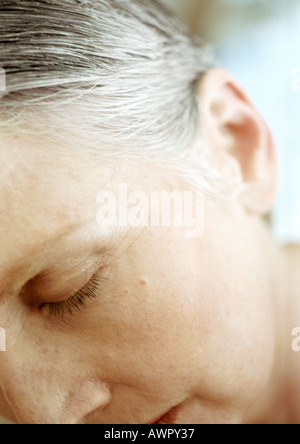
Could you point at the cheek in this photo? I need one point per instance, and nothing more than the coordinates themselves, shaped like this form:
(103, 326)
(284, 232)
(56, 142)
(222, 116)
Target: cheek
(238, 352)
(200, 323)
(152, 335)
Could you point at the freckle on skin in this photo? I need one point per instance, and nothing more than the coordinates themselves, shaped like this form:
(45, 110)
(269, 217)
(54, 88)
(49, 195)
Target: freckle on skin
(143, 283)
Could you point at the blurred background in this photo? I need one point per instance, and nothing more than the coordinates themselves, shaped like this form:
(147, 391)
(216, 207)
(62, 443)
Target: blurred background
(259, 42)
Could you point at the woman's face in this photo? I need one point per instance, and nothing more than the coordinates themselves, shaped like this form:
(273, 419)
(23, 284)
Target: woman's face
(177, 324)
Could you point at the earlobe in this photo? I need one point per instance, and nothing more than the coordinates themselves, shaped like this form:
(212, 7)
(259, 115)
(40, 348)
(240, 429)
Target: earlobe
(235, 132)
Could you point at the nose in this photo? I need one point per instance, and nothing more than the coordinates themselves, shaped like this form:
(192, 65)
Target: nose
(85, 399)
(82, 401)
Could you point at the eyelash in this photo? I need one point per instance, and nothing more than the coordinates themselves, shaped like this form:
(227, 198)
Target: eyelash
(79, 299)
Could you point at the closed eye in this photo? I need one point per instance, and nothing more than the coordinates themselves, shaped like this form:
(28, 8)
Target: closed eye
(79, 300)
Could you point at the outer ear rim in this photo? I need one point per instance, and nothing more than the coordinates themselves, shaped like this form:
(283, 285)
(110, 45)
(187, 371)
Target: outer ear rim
(259, 194)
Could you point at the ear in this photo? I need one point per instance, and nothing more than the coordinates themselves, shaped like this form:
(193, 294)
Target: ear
(238, 139)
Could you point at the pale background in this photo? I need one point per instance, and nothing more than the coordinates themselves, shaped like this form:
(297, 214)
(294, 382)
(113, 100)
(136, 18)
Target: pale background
(259, 41)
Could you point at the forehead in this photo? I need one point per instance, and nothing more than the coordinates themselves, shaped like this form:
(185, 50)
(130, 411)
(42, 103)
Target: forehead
(48, 193)
(45, 194)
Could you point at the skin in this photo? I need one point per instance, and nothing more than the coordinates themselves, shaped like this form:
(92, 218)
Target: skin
(196, 328)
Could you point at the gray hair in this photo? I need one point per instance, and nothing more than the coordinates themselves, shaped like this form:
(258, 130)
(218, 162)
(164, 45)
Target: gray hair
(123, 74)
